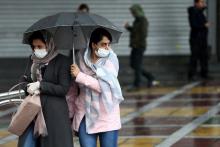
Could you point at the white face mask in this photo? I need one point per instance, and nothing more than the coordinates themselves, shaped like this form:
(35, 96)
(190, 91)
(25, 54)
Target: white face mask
(102, 53)
(40, 53)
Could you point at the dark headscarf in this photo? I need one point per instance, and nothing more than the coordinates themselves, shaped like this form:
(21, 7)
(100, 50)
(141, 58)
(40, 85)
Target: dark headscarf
(137, 10)
(38, 63)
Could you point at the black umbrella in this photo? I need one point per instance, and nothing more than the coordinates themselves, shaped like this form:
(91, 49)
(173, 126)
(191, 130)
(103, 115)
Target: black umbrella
(72, 30)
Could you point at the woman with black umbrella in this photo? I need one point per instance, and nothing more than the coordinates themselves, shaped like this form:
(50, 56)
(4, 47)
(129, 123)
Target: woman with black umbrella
(95, 110)
(48, 74)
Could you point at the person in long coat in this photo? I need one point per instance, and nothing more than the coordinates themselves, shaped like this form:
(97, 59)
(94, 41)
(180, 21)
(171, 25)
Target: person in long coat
(48, 74)
(198, 40)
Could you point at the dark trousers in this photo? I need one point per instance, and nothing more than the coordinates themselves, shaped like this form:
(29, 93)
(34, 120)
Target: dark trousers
(199, 55)
(136, 63)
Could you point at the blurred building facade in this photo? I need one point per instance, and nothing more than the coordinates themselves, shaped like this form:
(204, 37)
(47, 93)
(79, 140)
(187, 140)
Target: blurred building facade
(167, 51)
(168, 30)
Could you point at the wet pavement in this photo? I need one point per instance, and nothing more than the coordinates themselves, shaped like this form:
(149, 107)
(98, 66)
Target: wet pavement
(153, 127)
(151, 115)
(172, 114)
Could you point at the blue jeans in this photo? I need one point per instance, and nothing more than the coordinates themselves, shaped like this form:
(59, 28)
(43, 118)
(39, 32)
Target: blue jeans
(106, 139)
(30, 140)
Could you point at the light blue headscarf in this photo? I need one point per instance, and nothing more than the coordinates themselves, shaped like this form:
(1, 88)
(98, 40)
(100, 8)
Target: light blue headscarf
(108, 82)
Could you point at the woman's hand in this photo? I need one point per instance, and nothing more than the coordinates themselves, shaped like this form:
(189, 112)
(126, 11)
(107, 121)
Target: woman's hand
(126, 25)
(74, 70)
(33, 87)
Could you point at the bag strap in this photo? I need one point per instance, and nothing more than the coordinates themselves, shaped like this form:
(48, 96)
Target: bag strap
(13, 87)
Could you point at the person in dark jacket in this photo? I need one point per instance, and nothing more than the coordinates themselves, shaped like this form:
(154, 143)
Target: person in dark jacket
(83, 8)
(198, 39)
(138, 34)
(48, 74)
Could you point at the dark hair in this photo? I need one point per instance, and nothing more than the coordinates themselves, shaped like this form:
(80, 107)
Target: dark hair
(97, 36)
(83, 6)
(36, 35)
(196, 1)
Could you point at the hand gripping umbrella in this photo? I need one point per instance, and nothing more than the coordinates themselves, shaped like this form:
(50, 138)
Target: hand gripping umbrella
(72, 30)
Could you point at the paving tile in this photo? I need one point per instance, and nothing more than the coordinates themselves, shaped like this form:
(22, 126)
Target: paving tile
(209, 89)
(206, 132)
(173, 120)
(176, 111)
(138, 142)
(142, 97)
(151, 91)
(190, 111)
(214, 120)
(126, 111)
(148, 131)
(10, 144)
(160, 121)
(135, 104)
(217, 143)
(160, 112)
(199, 95)
(172, 103)
(198, 103)
(204, 103)
(4, 133)
(190, 142)
(142, 121)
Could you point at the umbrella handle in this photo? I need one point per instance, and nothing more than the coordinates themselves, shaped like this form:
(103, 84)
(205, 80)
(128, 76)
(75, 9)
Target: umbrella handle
(74, 59)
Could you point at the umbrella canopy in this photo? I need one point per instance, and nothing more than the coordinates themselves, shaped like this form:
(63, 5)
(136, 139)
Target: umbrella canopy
(72, 29)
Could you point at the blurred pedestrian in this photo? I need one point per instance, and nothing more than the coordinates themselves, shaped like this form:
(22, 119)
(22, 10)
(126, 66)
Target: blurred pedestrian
(138, 34)
(198, 39)
(48, 75)
(83, 8)
(96, 112)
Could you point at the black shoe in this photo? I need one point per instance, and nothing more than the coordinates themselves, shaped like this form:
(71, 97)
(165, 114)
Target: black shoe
(191, 78)
(206, 77)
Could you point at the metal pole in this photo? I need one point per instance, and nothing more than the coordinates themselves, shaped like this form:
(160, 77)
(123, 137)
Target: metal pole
(74, 59)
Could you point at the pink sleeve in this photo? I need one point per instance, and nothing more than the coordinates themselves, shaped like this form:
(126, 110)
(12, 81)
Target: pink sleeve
(88, 81)
(71, 97)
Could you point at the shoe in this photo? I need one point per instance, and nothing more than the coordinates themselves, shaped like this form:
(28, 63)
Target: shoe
(192, 78)
(153, 83)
